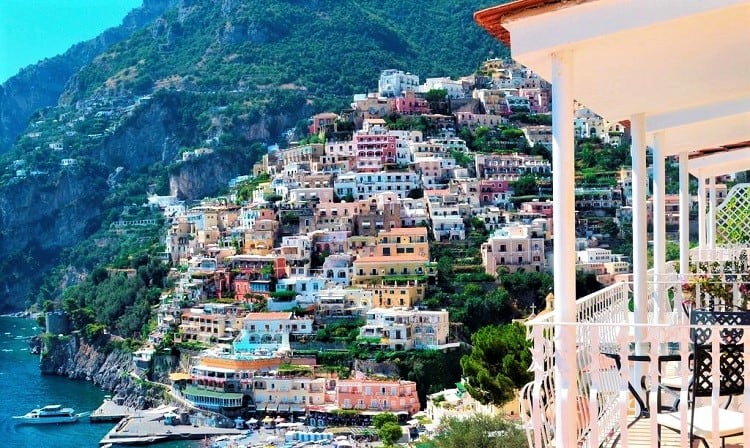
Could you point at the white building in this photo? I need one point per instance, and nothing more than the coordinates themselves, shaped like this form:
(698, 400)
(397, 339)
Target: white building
(366, 185)
(407, 329)
(267, 331)
(454, 89)
(393, 83)
(344, 301)
(306, 288)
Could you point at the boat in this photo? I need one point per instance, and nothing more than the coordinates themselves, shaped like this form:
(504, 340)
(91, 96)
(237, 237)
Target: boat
(53, 413)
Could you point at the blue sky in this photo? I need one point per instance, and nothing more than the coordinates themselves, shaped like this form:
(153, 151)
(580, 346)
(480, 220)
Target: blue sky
(32, 30)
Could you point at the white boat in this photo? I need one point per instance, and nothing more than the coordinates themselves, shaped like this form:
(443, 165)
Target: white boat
(53, 413)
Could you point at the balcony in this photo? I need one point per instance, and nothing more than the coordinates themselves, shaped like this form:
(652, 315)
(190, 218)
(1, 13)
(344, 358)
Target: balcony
(608, 414)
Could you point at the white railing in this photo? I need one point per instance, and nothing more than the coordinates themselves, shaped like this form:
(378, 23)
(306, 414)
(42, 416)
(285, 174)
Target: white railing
(605, 403)
(604, 323)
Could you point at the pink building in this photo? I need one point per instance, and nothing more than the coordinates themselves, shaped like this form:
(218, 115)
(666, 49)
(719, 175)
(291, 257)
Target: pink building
(542, 208)
(322, 121)
(374, 151)
(378, 395)
(410, 104)
(493, 191)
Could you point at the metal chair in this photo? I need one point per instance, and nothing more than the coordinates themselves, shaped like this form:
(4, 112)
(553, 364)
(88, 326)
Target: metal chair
(731, 376)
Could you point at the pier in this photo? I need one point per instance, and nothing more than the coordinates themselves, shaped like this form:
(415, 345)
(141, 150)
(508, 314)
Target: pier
(139, 427)
(150, 427)
(110, 411)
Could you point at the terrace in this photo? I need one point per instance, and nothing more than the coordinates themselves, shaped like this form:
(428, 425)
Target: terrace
(677, 77)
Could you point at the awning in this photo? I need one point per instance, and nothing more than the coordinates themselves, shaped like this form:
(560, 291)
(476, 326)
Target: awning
(179, 376)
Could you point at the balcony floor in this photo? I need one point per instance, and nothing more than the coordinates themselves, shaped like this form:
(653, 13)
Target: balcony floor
(640, 437)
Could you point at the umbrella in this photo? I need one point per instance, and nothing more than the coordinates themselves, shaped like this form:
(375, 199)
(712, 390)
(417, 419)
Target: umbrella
(280, 419)
(267, 419)
(252, 421)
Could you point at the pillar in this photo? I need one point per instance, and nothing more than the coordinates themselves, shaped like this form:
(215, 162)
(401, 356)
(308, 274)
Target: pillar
(701, 216)
(640, 240)
(684, 177)
(711, 235)
(660, 231)
(563, 219)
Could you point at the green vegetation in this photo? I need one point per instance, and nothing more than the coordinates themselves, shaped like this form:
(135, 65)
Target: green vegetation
(498, 364)
(480, 431)
(388, 428)
(260, 44)
(119, 300)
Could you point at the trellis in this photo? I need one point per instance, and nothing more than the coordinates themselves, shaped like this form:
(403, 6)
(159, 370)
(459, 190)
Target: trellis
(733, 217)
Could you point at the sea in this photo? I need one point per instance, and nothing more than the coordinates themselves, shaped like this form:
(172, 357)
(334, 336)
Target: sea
(23, 388)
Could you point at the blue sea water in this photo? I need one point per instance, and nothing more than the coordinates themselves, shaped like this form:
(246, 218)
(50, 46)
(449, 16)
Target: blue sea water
(23, 387)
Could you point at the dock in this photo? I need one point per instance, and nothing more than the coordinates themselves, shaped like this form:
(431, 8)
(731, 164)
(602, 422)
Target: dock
(110, 411)
(150, 426)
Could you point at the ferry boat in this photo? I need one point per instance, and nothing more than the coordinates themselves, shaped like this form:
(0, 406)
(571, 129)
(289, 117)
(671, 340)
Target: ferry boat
(53, 413)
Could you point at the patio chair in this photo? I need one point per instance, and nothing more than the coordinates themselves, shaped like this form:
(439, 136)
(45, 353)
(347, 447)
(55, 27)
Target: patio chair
(731, 372)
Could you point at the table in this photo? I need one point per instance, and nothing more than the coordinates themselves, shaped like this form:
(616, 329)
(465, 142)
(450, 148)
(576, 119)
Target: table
(668, 351)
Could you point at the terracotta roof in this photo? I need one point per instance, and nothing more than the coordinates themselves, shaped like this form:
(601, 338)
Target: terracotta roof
(491, 18)
(725, 148)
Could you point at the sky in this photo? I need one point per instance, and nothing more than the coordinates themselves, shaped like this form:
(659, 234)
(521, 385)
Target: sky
(32, 30)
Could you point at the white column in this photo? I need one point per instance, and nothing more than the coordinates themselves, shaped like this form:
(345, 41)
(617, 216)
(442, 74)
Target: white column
(660, 231)
(684, 214)
(701, 216)
(712, 212)
(640, 240)
(563, 221)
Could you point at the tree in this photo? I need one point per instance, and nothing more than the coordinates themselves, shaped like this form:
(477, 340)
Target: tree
(381, 419)
(527, 288)
(415, 193)
(526, 185)
(389, 433)
(479, 431)
(586, 283)
(610, 227)
(486, 309)
(498, 363)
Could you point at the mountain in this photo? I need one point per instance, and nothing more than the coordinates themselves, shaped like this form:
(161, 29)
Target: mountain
(124, 113)
(41, 84)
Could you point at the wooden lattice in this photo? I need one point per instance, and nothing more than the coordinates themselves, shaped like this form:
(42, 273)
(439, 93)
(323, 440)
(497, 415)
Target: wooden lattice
(733, 217)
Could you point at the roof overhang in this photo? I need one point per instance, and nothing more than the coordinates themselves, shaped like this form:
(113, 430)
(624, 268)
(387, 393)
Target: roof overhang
(719, 161)
(684, 65)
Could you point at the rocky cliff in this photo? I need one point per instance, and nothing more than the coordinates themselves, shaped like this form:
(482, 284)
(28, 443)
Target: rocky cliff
(206, 175)
(108, 368)
(40, 85)
(39, 216)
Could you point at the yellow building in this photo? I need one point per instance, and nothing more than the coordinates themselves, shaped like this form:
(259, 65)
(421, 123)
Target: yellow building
(210, 324)
(376, 269)
(395, 295)
(403, 241)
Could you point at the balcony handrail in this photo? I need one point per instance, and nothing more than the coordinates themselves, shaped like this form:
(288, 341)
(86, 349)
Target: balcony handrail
(602, 395)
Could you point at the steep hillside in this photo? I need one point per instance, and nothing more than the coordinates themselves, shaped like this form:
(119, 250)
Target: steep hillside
(219, 76)
(40, 85)
(324, 47)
